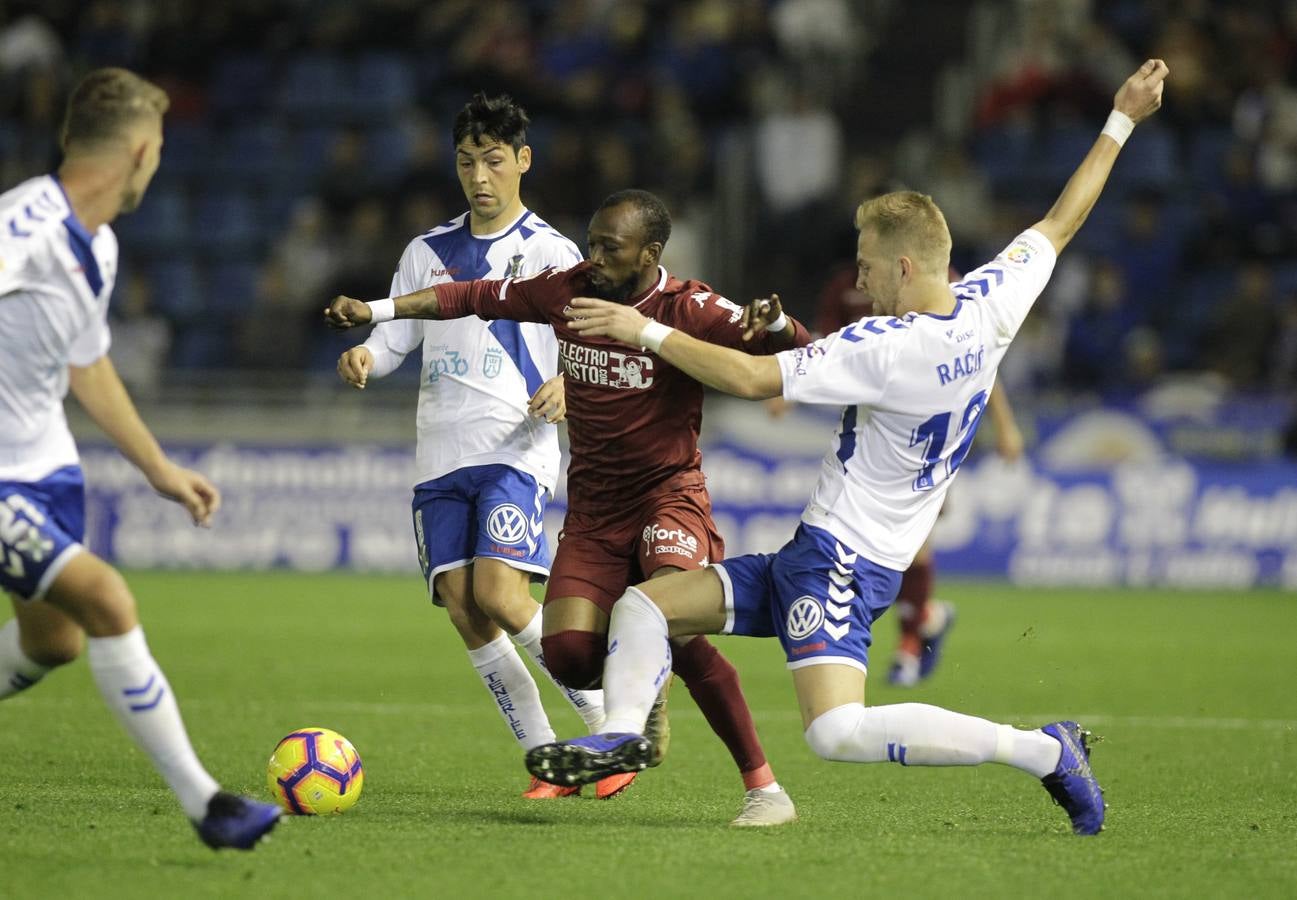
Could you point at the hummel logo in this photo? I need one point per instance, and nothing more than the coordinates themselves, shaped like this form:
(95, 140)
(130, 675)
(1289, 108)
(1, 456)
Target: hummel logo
(452, 271)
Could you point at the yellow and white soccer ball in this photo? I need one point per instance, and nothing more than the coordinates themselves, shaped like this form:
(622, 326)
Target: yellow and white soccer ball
(314, 772)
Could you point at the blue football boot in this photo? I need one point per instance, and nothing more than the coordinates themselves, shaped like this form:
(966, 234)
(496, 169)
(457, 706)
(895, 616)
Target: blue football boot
(236, 822)
(1072, 784)
(585, 760)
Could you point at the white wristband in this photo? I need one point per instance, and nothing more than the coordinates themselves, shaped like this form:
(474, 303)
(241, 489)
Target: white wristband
(1118, 127)
(382, 310)
(653, 334)
(778, 324)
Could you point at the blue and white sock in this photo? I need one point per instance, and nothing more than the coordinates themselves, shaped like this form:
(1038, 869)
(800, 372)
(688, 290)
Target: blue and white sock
(138, 694)
(638, 662)
(588, 704)
(17, 671)
(514, 690)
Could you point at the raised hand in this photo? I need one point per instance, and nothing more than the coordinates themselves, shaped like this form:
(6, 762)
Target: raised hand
(758, 315)
(344, 313)
(1141, 95)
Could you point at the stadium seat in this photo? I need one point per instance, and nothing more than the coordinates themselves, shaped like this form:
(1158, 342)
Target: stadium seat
(177, 291)
(312, 87)
(227, 224)
(232, 287)
(387, 151)
(241, 84)
(382, 86)
(1149, 159)
(202, 348)
(160, 227)
(1207, 151)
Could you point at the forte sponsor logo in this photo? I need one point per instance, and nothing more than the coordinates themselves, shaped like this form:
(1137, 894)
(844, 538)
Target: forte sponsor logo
(660, 540)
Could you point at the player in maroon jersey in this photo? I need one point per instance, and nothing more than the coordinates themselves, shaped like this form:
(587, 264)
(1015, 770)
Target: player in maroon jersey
(637, 502)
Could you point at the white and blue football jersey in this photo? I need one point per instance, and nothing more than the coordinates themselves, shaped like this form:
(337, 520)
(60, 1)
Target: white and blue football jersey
(913, 391)
(55, 281)
(478, 376)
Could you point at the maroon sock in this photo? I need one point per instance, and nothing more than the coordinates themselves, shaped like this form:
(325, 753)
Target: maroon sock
(912, 601)
(714, 684)
(575, 658)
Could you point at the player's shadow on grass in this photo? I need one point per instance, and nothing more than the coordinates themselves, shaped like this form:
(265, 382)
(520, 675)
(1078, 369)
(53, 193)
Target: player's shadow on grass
(655, 817)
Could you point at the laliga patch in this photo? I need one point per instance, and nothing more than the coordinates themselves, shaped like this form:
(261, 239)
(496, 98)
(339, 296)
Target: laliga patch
(1019, 254)
(805, 617)
(507, 524)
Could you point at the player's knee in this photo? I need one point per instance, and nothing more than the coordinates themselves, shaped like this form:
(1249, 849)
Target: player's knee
(832, 733)
(100, 602)
(575, 658)
(54, 648)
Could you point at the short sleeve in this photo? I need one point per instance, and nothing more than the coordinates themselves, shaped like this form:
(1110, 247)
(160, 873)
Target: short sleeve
(847, 368)
(13, 266)
(1008, 286)
(91, 344)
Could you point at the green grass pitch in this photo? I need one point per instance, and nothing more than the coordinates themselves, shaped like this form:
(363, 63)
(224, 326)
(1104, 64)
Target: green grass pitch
(1195, 695)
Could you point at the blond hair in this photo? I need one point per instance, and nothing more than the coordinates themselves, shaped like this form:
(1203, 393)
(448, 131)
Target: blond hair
(105, 104)
(910, 223)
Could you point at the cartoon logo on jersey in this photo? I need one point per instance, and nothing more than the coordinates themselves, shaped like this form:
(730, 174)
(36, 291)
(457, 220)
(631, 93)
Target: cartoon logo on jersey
(507, 524)
(610, 368)
(631, 371)
(492, 362)
(805, 617)
(1019, 254)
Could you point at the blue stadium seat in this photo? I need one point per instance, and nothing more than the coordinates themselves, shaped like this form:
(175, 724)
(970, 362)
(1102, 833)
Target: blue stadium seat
(203, 347)
(187, 149)
(160, 227)
(232, 287)
(227, 224)
(177, 291)
(1150, 158)
(1207, 151)
(382, 86)
(387, 150)
(253, 152)
(312, 88)
(311, 148)
(240, 84)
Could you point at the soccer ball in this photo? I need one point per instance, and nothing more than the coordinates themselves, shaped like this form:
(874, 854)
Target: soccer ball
(315, 771)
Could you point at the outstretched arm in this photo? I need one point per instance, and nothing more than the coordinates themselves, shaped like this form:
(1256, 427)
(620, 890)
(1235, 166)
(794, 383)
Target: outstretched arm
(347, 312)
(1135, 101)
(101, 393)
(731, 371)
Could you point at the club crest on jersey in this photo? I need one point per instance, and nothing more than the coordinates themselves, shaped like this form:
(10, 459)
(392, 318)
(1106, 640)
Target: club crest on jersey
(507, 524)
(515, 266)
(492, 362)
(805, 617)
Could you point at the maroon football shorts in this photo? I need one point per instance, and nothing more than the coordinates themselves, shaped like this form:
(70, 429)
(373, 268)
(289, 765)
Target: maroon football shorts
(601, 554)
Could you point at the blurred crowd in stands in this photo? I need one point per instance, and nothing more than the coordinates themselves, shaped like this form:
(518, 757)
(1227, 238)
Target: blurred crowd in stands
(309, 140)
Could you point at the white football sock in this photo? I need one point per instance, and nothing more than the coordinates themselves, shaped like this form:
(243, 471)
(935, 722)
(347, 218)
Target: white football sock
(638, 661)
(17, 671)
(915, 734)
(506, 677)
(588, 704)
(138, 694)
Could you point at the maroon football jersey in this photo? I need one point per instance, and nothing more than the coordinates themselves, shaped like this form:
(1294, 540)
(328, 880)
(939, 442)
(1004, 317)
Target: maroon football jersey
(633, 420)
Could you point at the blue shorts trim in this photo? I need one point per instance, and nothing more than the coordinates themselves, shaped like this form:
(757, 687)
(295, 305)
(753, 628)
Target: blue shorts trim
(493, 512)
(819, 597)
(42, 525)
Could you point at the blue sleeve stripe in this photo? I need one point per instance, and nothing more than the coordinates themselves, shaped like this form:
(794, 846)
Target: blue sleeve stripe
(509, 334)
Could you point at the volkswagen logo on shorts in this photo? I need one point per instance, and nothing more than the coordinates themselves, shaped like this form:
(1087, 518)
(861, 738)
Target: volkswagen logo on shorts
(805, 617)
(507, 524)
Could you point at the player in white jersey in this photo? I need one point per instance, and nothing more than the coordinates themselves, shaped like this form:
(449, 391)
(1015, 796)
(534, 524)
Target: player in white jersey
(58, 260)
(913, 383)
(487, 446)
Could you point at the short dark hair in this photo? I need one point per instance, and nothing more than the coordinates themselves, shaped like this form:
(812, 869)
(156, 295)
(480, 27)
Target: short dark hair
(495, 117)
(653, 215)
(105, 103)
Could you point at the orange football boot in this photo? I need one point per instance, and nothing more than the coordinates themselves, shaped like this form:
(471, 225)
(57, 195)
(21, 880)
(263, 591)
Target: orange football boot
(543, 790)
(607, 788)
